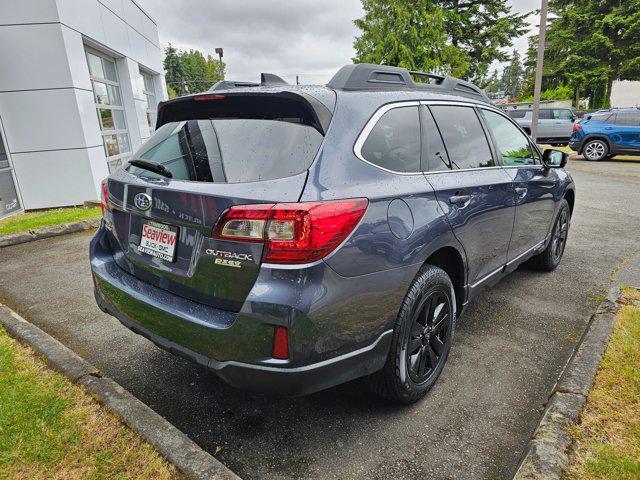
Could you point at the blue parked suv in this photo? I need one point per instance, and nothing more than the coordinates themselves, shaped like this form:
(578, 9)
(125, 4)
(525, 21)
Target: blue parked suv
(607, 133)
(291, 238)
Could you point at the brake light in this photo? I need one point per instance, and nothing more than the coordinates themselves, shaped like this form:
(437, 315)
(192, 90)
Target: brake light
(576, 127)
(280, 343)
(293, 233)
(104, 203)
(211, 96)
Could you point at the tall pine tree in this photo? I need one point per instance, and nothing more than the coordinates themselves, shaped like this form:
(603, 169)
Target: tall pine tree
(512, 76)
(482, 29)
(591, 44)
(461, 37)
(407, 33)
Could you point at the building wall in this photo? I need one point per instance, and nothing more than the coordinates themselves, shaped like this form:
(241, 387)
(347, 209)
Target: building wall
(625, 93)
(47, 103)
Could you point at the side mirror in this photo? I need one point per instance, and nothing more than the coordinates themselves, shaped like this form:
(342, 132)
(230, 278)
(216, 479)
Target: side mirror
(554, 158)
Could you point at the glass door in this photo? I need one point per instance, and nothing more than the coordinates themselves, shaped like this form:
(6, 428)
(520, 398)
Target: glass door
(9, 201)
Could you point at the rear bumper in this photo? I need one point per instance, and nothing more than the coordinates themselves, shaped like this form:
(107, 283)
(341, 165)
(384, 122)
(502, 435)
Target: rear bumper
(575, 146)
(241, 342)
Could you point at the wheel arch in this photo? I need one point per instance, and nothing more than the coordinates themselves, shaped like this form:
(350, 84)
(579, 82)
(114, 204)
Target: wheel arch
(595, 136)
(570, 196)
(450, 260)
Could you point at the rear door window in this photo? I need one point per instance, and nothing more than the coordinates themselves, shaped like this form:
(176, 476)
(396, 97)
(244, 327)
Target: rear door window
(599, 117)
(466, 142)
(434, 153)
(231, 150)
(513, 145)
(394, 141)
(545, 114)
(630, 119)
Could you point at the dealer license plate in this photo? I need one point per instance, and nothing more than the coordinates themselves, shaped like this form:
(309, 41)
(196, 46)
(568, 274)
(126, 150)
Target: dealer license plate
(158, 240)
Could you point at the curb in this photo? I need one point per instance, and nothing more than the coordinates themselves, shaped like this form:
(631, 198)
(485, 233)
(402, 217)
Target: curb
(170, 442)
(547, 454)
(46, 232)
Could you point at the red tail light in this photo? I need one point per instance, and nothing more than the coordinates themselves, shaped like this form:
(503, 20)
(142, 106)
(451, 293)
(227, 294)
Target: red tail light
(576, 127)
(280, 343)
(293, 233)
(104, 203)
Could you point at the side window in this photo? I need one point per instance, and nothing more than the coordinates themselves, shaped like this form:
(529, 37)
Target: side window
(513, 145)
(628, 118)
(545, 114)
(394, 142)
(434, 155)
(463, 136)
(562, 114)
(517, 113)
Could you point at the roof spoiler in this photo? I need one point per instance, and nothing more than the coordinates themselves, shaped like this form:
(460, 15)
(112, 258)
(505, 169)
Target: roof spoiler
(266, 80)
(366, 76)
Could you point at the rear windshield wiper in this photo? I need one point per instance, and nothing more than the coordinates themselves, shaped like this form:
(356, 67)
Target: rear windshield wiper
(152, 167)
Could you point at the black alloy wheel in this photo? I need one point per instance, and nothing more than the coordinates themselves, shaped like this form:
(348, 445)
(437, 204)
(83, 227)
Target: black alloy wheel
(430, 325)
(560, 232)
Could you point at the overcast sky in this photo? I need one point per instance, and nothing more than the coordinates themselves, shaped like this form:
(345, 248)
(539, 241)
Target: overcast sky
(311, 38)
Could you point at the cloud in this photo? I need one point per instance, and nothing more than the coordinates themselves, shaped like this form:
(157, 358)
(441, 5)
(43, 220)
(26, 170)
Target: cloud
(310, 38)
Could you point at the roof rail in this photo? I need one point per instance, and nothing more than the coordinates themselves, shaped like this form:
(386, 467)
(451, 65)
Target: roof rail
(366, 76)
(266, 79)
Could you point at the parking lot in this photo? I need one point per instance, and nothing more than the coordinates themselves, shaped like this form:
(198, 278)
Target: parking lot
(510, 346)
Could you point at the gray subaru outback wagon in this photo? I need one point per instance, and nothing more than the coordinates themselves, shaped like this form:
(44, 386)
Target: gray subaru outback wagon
(291, 238)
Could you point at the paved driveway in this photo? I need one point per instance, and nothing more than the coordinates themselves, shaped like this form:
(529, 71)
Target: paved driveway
(509, 348)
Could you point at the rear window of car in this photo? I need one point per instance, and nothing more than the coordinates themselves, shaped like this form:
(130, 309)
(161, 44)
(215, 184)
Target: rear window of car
(516, 113)
(231, 150)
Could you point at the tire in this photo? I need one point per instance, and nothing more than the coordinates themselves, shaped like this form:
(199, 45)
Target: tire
(549, 259)
(421, 341)
(595, 150)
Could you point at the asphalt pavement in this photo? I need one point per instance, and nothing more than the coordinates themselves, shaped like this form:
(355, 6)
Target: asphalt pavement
(510, 346)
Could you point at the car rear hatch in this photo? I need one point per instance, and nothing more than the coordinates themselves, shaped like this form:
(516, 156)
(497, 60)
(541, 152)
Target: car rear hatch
(220, 150)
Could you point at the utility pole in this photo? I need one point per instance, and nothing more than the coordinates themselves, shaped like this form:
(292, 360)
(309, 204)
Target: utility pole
(539, 61)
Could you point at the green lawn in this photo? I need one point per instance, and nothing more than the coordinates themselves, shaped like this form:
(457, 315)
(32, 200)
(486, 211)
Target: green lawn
(42, 218)
(608, 436)
(52, 429)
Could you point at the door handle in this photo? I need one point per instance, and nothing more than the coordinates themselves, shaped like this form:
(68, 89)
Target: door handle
(521, 192)
(608, 128)
(459, 199)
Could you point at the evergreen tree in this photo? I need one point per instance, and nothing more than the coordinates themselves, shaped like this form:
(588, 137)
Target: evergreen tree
(191, 72)
(461, 37)
(482, 29)
(591, 44)
(407, 33)
(512, 77)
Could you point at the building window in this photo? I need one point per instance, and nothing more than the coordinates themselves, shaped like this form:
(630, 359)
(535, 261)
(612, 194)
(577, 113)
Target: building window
(150, 95)
(9, 201)
(108, 101)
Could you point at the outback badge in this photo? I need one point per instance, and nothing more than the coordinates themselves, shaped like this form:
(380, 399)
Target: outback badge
(228, 259)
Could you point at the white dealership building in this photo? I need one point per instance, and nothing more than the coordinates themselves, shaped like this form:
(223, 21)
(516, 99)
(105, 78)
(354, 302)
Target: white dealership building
(80, 81)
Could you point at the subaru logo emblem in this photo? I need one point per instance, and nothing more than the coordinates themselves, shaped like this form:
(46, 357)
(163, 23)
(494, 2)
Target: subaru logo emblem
(142, 201)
